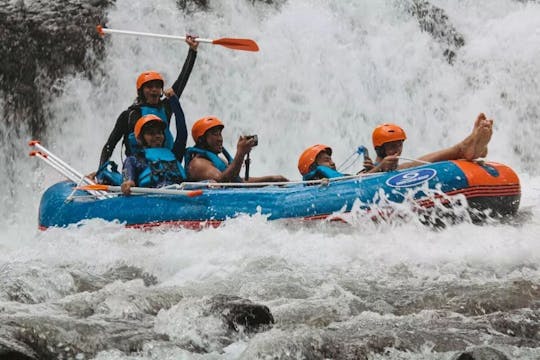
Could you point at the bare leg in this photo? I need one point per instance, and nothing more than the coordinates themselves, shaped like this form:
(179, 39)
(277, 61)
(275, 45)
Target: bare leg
(472, 147)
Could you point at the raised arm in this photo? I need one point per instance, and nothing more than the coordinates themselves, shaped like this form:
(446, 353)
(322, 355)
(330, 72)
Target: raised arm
(183, 78)
(179, 146)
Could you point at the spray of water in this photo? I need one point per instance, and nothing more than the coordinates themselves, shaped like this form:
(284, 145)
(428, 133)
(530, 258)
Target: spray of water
(326, 73)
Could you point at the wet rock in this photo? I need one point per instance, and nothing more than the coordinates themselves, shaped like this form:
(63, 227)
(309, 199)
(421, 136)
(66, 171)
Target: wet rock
(212, 323)
(126, 273)
(191, 4)
(523, 323)
(85, 281)
(434, 20)
(42, 41)
(130, 300)
(370, 333)
(482, 353)
(474, 299)
(121, 317)
(243, 313)
(14, 350)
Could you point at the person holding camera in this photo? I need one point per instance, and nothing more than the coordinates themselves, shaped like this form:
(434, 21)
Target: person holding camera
(209, 160)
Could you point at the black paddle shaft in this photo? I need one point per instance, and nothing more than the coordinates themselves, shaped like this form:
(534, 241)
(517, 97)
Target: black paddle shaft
(247, 162)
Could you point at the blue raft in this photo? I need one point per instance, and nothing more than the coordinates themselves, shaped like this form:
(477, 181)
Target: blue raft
(487, 185)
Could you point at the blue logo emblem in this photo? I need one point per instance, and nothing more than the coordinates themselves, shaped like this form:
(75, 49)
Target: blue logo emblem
(411, 178)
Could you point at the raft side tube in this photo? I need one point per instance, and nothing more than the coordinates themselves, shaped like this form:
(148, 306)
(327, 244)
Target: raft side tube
(492, 186)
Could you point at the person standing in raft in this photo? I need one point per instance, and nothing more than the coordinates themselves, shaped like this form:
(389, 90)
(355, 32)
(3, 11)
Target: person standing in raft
(316, 161)
(154, 165)
(209, 160)
(149, 101)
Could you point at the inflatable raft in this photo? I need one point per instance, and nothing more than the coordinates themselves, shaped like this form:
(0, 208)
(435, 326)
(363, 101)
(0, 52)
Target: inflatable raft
(485, 185)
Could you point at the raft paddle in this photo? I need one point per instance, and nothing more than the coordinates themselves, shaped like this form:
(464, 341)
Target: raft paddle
(231, 43)
(142, 190)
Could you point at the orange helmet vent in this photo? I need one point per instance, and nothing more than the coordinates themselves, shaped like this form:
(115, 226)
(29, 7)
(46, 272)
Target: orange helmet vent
(145, 120)
(148, 76)
(203, 125)
(386, 133)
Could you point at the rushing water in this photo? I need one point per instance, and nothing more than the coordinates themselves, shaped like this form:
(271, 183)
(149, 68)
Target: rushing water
(327, 72)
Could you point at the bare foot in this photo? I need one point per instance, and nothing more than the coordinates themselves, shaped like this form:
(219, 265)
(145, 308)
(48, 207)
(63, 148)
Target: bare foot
(483, 137)
(475, 145)
(481, 117)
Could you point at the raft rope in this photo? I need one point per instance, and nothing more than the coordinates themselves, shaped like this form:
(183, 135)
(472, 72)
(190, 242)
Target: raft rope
(415, 160)
(362, 150)
(353, 158)
(62, 167)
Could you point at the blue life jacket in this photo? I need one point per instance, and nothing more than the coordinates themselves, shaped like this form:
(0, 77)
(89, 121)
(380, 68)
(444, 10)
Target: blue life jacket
(162, 168)
(212, 157)
(108, 174)
(134, 146)
(321, 172)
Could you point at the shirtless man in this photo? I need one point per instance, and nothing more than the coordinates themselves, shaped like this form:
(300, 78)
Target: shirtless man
(388, 141)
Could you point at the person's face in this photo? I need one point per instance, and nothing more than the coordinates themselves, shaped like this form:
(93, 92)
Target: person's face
(153, 136)
(325, 159)
(152, 91)
(214, 139)
(393, 147)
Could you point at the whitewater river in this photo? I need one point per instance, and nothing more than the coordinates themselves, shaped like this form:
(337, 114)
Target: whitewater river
(327, 72)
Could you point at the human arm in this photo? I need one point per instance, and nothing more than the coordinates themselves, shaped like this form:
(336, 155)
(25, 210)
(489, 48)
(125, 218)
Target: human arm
(389, 163)
(368, 165)
(203, 169)
(267, 178)
(182, 79)
(179, 146)
(133, 167)
(130, 174)
(119, 130)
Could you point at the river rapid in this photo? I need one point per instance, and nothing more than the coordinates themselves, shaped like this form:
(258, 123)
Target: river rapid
(326, 72)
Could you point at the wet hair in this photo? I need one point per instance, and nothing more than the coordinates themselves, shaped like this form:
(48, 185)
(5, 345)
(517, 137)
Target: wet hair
(201, 142)
(140, 99)
(380, 151)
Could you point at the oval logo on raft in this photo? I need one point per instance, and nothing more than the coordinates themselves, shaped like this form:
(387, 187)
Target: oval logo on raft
(411, 178)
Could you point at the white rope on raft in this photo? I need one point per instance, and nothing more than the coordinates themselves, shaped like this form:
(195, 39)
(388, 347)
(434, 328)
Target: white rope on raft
(415, 160)
(77, 177)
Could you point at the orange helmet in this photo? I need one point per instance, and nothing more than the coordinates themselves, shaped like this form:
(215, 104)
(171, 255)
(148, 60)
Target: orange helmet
(148, 76)
(145, 120)
(386, 133)
(309, 155)
(203, 125)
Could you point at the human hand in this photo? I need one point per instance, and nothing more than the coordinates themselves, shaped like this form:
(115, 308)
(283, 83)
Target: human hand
(126, 186)
(92, 175)
(245, 144)
(368, 163)
(389, 163)
(169, 92)
(192, 42)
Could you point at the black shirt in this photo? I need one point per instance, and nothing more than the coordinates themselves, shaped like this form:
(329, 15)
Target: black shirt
(126, 121)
